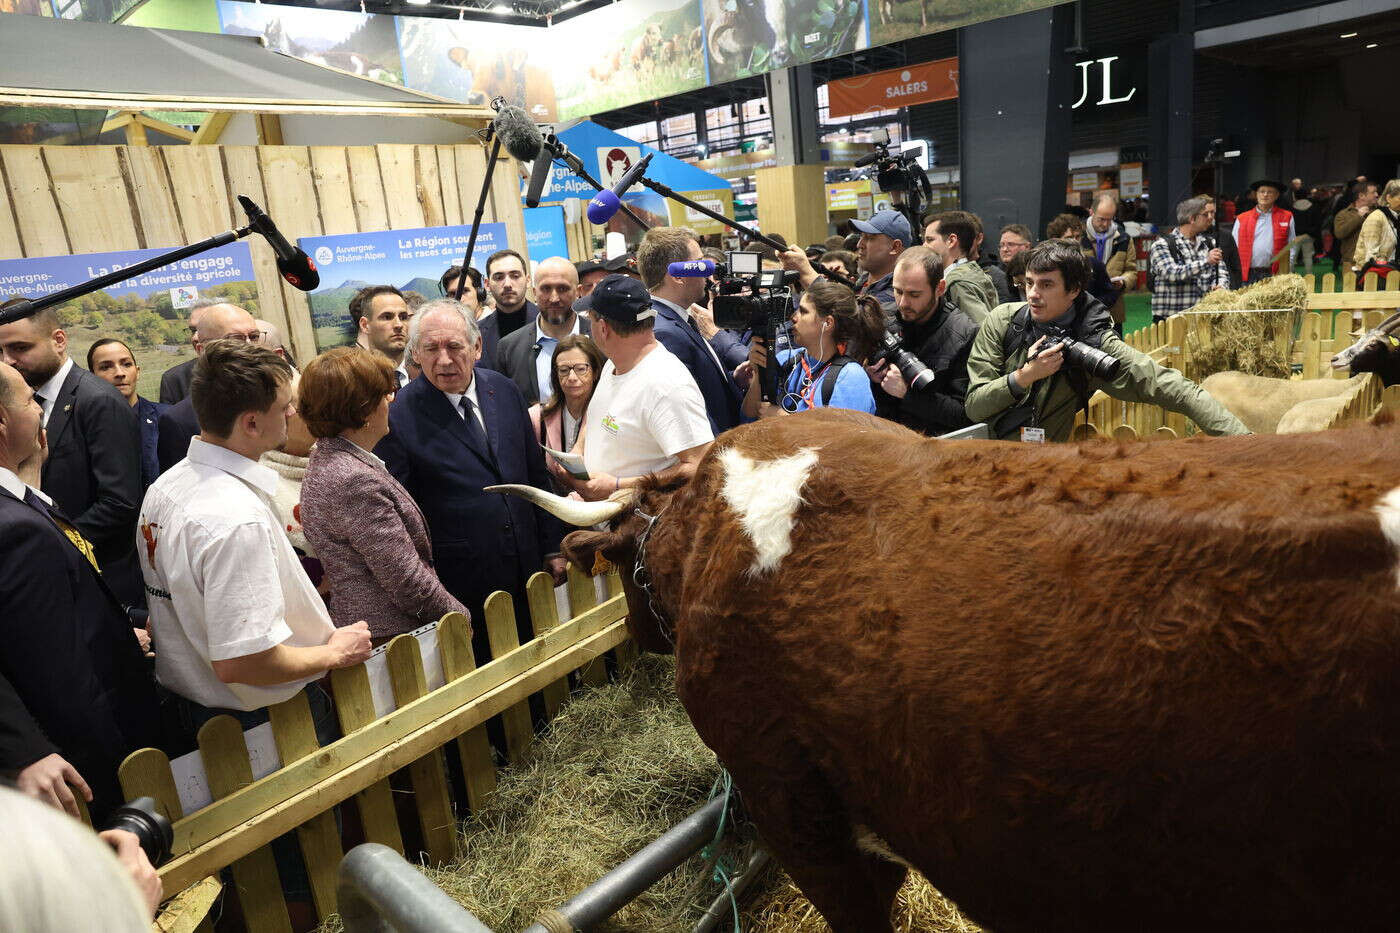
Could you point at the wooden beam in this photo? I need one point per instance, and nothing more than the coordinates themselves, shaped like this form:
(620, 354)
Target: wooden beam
(169, 129)
(187, 910)
(117, 122)
(211, 129)
(269, 129)
(1353, 301)
(260, 824)
(89, 100)
(232, 811)
(135, 132)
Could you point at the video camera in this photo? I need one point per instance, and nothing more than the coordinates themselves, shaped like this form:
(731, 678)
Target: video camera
(750, 298)
(899, 173)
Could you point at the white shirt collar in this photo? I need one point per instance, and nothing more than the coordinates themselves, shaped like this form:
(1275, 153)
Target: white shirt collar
(50, 389)
(957, 262)
(261, 478)
(683, 312)
(11, 483)
(540, 335)
(456, 399)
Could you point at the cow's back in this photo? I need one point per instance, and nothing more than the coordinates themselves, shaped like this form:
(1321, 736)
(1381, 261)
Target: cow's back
(1077, 686)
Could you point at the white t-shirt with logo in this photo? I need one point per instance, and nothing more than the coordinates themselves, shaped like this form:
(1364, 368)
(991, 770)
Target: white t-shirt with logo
(637, 422)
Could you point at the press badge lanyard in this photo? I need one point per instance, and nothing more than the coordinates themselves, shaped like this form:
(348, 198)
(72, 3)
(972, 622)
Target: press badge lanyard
(808, 393)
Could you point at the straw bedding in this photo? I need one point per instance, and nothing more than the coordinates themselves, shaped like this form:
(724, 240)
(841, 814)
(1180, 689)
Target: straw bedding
(619, 766)
(1259, 343)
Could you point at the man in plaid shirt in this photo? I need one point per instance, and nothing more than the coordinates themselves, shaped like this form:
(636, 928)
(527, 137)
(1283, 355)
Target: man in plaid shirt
(1185, 263)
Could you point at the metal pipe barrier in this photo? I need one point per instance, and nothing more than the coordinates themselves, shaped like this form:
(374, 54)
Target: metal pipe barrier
(626, 882)
(380, 892)
(724, 904)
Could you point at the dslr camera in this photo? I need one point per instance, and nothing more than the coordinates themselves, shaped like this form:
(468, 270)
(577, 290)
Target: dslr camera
(141, 818)
(1092, 360)
(891, 350)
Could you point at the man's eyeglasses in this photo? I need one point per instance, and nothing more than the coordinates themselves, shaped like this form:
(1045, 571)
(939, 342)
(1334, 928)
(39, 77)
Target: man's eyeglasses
(579, 369)
(255, 337)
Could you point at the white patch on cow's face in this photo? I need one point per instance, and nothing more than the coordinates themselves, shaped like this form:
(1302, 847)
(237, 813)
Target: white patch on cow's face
(1388, 510)
(765, 496)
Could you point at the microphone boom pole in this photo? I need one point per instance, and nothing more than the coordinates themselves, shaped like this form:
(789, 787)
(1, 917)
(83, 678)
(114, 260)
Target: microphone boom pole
(480, 209)
(575, 165)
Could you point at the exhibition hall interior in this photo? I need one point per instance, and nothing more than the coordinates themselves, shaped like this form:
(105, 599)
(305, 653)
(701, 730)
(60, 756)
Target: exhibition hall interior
(515, 465)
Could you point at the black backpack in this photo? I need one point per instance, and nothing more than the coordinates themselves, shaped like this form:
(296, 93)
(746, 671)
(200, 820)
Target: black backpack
(828, 375)
(1172, 247)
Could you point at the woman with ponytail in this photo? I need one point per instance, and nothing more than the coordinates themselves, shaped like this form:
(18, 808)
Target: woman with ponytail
(833, 333)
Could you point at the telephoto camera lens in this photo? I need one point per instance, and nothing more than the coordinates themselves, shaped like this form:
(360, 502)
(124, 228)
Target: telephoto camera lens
(915, 373)
(1096, 363)
(141, 818)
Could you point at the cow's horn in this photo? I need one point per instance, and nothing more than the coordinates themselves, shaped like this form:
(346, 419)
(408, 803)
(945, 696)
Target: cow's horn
(573, 511)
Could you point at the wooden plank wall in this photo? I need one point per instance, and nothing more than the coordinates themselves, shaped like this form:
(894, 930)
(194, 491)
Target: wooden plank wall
(59, 200)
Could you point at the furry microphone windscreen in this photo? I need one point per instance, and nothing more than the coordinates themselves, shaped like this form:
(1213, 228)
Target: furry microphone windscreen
(518, 133)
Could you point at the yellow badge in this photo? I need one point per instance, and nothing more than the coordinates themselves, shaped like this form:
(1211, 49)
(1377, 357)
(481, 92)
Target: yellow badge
(82, 544)
(601, 564)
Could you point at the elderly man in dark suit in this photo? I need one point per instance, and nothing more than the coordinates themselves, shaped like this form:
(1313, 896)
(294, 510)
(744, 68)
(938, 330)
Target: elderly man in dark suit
(93, 469)
(454, 430)
(222, 321)
(527, 354)
(676, 328)
(79, 688)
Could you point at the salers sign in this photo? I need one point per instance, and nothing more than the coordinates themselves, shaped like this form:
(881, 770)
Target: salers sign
(898, 87)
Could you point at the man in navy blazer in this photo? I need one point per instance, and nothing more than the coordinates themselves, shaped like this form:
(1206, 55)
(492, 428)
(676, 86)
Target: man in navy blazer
(79, 685)
(93, 469)
(675, 330)
(454, 430)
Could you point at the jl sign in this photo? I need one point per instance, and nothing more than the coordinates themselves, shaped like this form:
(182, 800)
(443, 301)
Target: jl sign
(1104, 66)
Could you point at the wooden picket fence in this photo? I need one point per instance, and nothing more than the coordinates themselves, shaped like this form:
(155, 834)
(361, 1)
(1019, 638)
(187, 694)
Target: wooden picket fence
(1333, 314)
(234, 831)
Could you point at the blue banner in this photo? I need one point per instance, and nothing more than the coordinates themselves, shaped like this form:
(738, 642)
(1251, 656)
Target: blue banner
(410, 260)
(147, 312)
(544, 232)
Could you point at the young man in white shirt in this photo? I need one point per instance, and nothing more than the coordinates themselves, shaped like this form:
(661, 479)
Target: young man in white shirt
(646, 415)
(237, 624)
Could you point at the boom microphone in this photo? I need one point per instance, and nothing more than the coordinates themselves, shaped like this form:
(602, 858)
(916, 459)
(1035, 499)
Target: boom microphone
(518, 133)
(692, 268)
(539, 173)
(608, 201)
(296, 267)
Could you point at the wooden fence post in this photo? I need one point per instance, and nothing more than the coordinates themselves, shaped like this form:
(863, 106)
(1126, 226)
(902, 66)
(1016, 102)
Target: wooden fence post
(582, 596)
(255, 874)
(295, 735)
(428, 773)
(473, 746)
(354, 705)
(544, 615)
(501, 632)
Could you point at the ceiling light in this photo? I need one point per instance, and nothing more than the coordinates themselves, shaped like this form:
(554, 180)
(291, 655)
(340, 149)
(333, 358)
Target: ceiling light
(500, 9)
(419, 2)
(1373, 45)
(1349, 35)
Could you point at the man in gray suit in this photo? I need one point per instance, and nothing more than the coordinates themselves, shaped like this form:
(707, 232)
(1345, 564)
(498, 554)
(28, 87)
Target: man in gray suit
(526, 354)
(175, 381)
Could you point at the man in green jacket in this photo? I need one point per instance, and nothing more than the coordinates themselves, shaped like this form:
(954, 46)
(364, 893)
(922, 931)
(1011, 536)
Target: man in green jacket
(1023, 385)
(952, 235)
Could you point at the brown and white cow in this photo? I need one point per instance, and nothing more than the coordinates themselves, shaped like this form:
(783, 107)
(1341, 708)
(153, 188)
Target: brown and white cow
(1080, 687)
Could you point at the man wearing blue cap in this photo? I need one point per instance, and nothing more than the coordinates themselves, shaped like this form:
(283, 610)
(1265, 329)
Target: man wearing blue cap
(882, 238)
(646, 414)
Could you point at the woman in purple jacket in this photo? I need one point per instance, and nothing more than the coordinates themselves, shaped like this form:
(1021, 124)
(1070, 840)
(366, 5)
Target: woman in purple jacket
(365, 527)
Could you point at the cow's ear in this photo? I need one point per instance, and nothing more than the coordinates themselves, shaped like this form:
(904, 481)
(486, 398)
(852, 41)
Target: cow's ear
(589, 550)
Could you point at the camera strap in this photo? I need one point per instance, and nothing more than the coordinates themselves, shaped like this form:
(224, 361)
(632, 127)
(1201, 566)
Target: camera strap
(1018, 336)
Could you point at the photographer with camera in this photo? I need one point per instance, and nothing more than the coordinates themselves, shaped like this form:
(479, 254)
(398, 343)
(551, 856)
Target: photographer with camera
(921, 375)
(1034, 364)
(882, 238)
(832, 329)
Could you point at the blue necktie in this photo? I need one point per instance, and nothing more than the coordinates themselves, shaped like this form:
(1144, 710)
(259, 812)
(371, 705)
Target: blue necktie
(475, 434)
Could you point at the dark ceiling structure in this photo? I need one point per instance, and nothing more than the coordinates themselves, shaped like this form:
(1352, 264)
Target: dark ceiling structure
(522, 12)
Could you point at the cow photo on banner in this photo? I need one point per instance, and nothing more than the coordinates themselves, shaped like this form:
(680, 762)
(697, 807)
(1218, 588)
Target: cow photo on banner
(363, 44)
(627, 52)
(748, 37)
(476, 62)
(893, 20)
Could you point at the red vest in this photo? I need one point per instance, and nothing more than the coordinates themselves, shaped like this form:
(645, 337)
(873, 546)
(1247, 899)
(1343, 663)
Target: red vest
(1280, 219)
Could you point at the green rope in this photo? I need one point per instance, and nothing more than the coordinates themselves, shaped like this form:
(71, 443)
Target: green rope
(711, 851)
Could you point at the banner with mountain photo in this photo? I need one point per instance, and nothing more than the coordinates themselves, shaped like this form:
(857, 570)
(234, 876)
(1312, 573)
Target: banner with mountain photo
(893, 20)
(147, 312)
(411, 260)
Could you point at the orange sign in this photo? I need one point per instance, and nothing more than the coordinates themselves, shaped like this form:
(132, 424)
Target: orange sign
(898, 87)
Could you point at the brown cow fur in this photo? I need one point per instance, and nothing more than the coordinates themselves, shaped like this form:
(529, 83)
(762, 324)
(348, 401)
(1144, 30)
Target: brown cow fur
(1080, 687)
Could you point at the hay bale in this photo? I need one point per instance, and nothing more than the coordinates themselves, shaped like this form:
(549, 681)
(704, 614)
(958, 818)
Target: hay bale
(1260, 343)
(619, 766)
